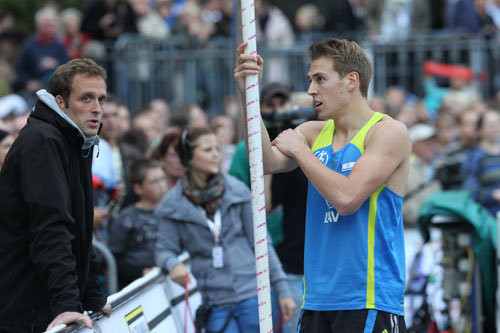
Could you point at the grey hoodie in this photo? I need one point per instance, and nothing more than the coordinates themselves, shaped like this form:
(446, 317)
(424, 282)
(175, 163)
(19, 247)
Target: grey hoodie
(183, 227)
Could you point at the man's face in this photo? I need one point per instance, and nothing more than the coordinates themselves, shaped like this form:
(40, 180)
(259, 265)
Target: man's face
(85, 102)
(154, 186)
(328, 90)
(110, 121)
(490, 129)
(47, 28)
(276, 103)
(468, 127)
(123, 122)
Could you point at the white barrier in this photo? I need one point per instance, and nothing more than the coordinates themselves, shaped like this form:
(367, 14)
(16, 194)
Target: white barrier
(153, 303)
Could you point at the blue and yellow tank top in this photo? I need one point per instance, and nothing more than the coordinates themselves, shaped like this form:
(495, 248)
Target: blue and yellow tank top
(355, 261)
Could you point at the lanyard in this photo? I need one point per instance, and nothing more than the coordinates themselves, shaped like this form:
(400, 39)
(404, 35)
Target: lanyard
(215, 226)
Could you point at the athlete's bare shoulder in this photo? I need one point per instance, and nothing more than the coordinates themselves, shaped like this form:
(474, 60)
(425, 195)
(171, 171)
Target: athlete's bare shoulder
(391, 128)
(311, 129)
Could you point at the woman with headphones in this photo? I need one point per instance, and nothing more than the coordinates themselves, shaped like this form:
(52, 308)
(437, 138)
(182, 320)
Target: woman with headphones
(209, 214)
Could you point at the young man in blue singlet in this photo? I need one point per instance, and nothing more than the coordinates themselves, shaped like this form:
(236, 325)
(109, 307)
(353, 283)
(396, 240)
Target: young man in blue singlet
(357, 162)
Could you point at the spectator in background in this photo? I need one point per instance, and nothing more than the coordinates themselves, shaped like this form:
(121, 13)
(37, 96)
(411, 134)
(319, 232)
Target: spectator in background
(395, 98)
(488, 25)
(15, 122)
(461, 16)
(162, 110)
(446, 130)
(377, 103)
(123, 122)
(41, 53)
(224, 26)
(165, 153)
(448, 165)
(73, 39)
(275, 30)
(6, 141)
(397, 18)
(191, 24)
(7, 18)
(114, 161)
(407, 114)
(492, 8)
(149, 22)
(164, 9)
(108, 19)
(10, 41)
(110, 165)
(461, 94)
(146, 120)
(274, 97)
(339, 17)
(420, 184)
(225, 132)
(308, 22)
(134, 232)
(210, 11)
(209, 214)
(195, 116)
(482, 165)
(12, 105)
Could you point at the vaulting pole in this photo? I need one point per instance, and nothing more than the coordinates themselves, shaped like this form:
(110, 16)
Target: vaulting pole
(257, 173)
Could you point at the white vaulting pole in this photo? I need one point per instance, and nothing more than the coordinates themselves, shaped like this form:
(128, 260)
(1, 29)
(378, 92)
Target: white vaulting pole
(257, 173)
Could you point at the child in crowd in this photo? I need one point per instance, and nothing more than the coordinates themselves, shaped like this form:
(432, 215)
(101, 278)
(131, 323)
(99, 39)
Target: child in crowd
(134, 232)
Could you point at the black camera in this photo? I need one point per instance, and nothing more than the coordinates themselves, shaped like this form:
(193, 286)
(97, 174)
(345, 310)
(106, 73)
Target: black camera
(279, 121)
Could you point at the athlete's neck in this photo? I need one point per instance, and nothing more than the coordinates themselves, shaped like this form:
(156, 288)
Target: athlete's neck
(352, 118)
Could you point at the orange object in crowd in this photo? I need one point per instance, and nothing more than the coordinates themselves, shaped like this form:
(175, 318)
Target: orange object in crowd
(451, 71)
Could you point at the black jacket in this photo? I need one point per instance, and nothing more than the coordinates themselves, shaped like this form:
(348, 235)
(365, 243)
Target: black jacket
(47, 262)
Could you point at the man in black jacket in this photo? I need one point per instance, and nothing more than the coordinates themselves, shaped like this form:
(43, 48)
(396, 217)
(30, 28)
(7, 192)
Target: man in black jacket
(47, 263)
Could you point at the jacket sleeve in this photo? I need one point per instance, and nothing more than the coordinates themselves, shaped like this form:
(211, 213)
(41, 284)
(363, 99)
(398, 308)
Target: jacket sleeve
(52, 228)
(471, 183)
(276, 273)
(168, 244)
(93, 299)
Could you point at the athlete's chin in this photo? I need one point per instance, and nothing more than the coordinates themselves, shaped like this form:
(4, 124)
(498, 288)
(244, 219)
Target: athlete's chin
(322, 115)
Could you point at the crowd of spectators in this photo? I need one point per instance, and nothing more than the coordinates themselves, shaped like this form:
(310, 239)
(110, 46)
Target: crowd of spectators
(454, 129)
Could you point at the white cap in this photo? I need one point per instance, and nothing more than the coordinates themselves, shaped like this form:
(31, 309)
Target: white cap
(421, 132)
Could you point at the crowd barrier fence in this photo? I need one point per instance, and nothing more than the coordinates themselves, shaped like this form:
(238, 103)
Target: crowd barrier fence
(182, 71)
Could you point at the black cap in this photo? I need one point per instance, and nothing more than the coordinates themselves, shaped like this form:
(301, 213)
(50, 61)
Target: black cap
(274, 89)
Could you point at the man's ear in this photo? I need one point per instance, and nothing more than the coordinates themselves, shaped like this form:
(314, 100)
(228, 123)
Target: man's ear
(137, 187)
(61, 103)
(353, 81)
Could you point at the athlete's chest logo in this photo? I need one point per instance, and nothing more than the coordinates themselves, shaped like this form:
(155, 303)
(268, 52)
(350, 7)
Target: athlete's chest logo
(331, 215)
(322, 155)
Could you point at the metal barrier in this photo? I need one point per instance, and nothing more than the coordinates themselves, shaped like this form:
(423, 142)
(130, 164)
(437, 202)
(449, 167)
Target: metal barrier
(112, 270)
(152, 303)
(182, 71)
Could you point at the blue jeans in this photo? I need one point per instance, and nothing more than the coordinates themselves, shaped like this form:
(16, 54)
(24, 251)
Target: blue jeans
(244, 318)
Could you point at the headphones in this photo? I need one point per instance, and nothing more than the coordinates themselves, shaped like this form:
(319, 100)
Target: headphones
(187, 153)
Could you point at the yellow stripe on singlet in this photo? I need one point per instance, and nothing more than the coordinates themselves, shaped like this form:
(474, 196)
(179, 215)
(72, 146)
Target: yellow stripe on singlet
(370, 269)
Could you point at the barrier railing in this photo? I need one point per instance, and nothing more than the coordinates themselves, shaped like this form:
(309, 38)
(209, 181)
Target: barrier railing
(182, 71)
(153, 303)
(112, 270)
